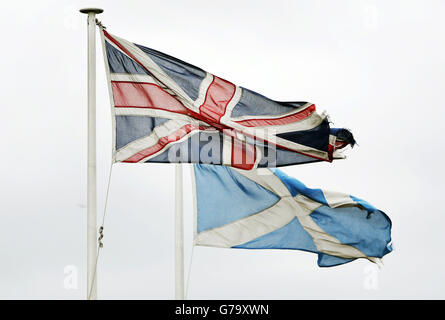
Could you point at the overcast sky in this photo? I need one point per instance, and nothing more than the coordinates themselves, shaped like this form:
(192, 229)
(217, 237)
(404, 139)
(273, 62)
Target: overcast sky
(377, 67)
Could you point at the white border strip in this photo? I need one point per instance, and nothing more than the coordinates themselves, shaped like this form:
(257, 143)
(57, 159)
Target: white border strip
(134, 77)
(203, 87)
(139, 78)
(232, 103)
(227, 150)
(260, 117)
(155, 113)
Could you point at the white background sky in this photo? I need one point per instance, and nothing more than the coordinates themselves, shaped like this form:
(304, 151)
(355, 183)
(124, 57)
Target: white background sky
(377, 67)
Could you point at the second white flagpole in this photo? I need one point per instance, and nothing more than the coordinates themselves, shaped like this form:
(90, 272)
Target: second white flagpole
(179, 234)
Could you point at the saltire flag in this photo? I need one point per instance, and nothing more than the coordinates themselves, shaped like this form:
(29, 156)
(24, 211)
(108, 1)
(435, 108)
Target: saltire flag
(166, 110)
(266, 209)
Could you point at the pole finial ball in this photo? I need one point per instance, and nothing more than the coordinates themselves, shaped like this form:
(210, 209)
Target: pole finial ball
(91, 10)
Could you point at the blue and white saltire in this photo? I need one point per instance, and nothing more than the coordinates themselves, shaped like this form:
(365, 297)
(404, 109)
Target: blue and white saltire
(161, 104)
(266, 209)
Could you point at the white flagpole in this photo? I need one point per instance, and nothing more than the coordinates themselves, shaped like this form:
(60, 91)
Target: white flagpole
(91, 166)
(179, 234)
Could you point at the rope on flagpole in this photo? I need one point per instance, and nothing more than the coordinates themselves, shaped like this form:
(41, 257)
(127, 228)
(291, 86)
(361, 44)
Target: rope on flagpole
(189, 272)
(101, 229)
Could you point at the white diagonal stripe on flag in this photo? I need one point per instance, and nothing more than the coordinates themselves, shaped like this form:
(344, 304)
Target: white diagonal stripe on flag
(249, 228)
(155, 70)
(324, 242)
(337, 199)
(267, 179)
(284, 211)
(140, 144)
